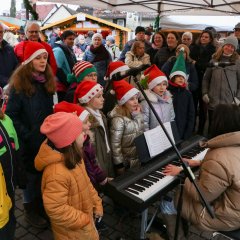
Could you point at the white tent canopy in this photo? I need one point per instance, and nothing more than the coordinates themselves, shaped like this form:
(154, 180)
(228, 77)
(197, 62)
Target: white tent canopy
(220, 23)
(164, 7)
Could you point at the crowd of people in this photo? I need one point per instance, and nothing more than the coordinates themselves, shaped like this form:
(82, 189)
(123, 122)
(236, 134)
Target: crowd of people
(67, 130)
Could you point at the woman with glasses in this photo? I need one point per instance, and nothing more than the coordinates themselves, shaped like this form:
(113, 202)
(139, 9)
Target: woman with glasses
(82, 71)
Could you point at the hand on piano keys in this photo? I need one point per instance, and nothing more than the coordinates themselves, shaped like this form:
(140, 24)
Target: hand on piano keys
(174, 170)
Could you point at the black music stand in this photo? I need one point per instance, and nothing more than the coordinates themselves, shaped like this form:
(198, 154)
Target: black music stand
(187, 170)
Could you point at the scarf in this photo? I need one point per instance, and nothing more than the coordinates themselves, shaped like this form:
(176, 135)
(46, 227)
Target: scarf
(178, 86)
(98, 116)
(39, 77)
(101, 53)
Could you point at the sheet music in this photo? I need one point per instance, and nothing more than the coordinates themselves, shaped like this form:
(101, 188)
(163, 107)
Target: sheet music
(156, 139)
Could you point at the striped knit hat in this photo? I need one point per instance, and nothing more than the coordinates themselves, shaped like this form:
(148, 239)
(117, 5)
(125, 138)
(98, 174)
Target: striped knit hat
(80, 70)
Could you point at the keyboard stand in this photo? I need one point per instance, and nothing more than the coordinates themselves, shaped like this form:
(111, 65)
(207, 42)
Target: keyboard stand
(144, 222)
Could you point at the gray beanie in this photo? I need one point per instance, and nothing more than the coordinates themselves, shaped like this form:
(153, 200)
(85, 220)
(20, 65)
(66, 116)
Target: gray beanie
(231, 40)
(110, 38)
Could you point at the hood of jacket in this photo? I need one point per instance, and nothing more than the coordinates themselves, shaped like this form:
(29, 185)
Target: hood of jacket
(46, 156)
(224, 140)
(153, 97)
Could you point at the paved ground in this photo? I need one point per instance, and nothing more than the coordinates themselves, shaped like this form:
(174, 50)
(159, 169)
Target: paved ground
(119, 225)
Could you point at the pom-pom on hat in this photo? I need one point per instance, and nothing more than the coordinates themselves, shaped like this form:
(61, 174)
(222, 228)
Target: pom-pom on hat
(64, 106)
(80, 70)
(124, 91)
(31, 50)
(179, 68)
(155, 76)
(61, 128)
(115, 67)
(232, 41)
(86, 91)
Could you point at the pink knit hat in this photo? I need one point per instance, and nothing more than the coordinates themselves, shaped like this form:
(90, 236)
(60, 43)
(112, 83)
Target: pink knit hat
(86, 91)
(67, 107)
(61, 128)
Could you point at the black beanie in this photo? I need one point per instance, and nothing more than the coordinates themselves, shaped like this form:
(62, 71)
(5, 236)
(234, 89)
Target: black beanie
(139, 29)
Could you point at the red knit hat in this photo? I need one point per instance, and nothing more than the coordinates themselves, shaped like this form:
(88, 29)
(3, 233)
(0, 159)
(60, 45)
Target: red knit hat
(155, 76)
(71, 108)
(61, 128)
(124, 91)
(86, 91)
(115, 67)
(31, 50)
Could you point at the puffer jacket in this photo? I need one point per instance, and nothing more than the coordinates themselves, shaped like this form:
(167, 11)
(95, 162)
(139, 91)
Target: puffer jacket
(162, 105)
(215, 84)
(69, 198)
(133, 61)
(219, 181)
(123, 131)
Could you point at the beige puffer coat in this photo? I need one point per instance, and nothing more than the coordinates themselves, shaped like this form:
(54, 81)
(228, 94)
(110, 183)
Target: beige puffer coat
(219, 180)
(123, 131)
(69, 198)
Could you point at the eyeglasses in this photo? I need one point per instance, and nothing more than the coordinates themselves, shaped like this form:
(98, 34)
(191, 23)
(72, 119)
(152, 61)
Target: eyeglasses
(91, 75)
(32, 32)
(237, 29)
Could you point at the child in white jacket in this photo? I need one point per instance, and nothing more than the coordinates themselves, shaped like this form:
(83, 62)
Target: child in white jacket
(160, 98)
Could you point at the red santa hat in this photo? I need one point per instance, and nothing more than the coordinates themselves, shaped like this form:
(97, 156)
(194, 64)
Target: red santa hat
(124, 91)
(86, 91)
(115, 67)
(67, 107)
(32, 50)
(155, 76)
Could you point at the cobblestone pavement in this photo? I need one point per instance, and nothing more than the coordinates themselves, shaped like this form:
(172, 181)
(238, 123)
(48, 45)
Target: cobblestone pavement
(119, 225)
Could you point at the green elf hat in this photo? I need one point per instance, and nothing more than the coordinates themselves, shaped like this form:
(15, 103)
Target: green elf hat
(80, 70)
(179, 68)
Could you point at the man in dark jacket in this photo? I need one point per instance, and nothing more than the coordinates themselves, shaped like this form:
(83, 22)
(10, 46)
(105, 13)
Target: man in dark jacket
(140, 36)
(237, 35)
(8, 60)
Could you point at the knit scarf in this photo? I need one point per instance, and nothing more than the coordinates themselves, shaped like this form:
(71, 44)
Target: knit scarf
(176, 85)
(101, 53)
(39, 77)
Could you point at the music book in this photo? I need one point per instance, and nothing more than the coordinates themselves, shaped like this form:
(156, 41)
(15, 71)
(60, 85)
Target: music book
(157, 141)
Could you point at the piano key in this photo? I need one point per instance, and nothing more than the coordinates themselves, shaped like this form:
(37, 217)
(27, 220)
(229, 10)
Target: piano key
(132, 191)
(137, 188)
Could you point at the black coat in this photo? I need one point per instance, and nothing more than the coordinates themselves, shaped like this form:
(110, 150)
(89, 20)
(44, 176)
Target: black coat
(28, 114)
(184, 110)
(163, 55)
(202, 55)
(8, 63)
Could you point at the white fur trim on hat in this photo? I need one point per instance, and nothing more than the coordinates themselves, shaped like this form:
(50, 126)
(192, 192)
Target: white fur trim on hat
(181, 73)
(128, 95)
(34, 55)
(91, 94)
(119, 69)
(83, 115)
(157, 81)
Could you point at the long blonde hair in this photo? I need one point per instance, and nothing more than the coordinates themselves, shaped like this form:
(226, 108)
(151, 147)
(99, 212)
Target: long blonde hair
(123, 111)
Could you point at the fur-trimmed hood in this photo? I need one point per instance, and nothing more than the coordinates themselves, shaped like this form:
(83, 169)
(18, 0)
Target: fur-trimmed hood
(153, 97)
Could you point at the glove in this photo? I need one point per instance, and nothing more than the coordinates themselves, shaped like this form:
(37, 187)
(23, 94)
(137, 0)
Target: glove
(205, 98)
